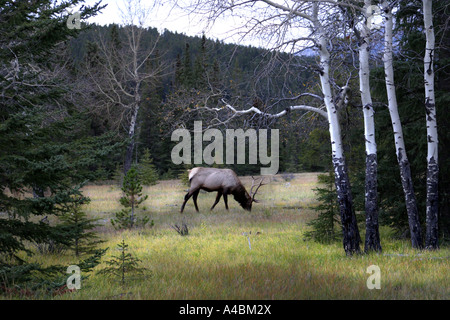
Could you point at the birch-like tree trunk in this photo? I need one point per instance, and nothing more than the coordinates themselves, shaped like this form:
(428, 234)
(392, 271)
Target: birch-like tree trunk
(348, 219)
(122, 71)
(432, 204)
(132, 129)
(372, 241)
(405, 170)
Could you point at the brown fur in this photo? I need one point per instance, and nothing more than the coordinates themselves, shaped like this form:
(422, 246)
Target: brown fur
(224, 181)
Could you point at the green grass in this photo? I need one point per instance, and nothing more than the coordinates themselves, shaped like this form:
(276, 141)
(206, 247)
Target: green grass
(215, 262)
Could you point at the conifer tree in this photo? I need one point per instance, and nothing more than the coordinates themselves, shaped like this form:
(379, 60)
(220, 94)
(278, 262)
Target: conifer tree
(147, 171)
(324, 226)
(79, 229)
(131, 200)
(41, 151)
(122, 264)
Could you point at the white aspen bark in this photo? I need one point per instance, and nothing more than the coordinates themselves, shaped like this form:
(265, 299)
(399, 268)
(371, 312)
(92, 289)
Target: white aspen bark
(132, 128)
(366, 97)
(405, 171)
(372, 240)
(348, 219)
(432, 203)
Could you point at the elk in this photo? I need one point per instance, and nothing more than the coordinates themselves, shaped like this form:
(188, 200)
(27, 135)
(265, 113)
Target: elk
(225, 182)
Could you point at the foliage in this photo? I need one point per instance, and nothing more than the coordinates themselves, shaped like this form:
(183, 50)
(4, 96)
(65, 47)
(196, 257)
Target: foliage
(122, 264)
(325, 226)
(34, 280)
(118, 175)
(132, 189)
(200, 71)
(408, 67)
(40, 142)
(81, 238)
(147, 170)
(184, 174)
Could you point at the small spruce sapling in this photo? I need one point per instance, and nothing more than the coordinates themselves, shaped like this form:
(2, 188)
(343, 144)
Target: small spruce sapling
(81, 238)
(131, 200)
(147, 171)
(323, 227)
(122, 264)
(184, 174)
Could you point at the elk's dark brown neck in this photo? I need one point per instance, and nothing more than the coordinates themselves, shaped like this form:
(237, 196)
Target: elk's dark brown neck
(241, 196)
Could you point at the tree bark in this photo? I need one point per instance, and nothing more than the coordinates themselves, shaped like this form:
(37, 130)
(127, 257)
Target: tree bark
(372, 241)
(351, 237)
(405, 170)
(432, 203)
(350, 230)
(131, 134)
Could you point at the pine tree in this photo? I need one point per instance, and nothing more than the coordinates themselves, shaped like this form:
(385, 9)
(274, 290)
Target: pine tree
(184, 174)
(131, 200)
(122, 264)
(40, 147)
(79, 229)
(147, 171)
(187, 77)
(324, 226)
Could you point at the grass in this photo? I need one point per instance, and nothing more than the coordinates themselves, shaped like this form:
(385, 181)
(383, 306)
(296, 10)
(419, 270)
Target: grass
(215, 262)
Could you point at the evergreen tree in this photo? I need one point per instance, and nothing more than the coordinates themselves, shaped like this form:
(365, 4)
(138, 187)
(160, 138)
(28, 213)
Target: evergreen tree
(79, 229)
(184, 174)
(201, 67)
(324, 226)
(122, 264)
(147, 171)
(187, 76)
(39, 141)
(131, 200)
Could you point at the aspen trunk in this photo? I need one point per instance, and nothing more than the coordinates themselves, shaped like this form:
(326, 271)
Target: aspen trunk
(350, 230)
(405, 171)
(130, 147)
(132, 129)
(372, 241)
(432, 204)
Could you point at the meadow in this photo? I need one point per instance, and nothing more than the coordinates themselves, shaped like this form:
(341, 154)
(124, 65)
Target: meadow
(215, 260)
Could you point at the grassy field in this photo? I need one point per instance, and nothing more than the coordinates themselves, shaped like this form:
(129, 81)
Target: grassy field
(215, 261)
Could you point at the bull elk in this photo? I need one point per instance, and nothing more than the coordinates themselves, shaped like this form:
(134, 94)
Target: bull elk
(225, 182)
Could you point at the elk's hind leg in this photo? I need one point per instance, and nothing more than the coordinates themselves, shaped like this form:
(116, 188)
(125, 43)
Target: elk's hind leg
(187, 196)
(194, 197)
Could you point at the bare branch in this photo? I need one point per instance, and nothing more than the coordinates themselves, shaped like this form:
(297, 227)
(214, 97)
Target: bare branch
(322, 112)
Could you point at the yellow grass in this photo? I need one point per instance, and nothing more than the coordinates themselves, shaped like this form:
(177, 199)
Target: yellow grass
(215, 261)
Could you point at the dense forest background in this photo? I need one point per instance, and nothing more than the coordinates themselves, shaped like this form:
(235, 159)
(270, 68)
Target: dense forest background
(194, 64)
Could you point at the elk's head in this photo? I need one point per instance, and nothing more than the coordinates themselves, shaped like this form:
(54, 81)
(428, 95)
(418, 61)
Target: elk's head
(251, 198)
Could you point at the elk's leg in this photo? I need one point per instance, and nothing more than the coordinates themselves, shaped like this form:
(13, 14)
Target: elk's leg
(194, 197)
(219, 194)
(225, 199)
(187, 196)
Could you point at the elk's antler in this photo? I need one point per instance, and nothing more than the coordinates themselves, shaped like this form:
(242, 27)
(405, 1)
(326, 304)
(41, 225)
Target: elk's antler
(253, 194)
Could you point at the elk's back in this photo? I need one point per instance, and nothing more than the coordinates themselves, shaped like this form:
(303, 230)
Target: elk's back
(213, 179)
